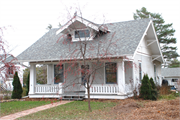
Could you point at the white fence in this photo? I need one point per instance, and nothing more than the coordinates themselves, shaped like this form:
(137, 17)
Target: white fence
(47, 89)
(104, 89)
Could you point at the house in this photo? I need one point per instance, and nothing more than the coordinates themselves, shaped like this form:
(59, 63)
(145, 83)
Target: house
(172, 75)
(7, 75)
(131, 47)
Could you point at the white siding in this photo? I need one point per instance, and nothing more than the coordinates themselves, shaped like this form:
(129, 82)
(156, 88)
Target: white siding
(143, 49)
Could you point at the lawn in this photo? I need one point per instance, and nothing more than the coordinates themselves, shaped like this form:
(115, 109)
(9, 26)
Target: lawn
(116, 109)
(7, 108)
(72, 110)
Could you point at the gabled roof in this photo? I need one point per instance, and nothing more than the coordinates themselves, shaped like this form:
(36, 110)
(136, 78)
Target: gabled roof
(170, 72)
(81, 20)
(8, 58)
(50, 46)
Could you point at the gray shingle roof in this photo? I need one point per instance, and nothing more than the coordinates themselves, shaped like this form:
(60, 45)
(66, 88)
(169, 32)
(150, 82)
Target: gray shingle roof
(170, 72)
(50, 46)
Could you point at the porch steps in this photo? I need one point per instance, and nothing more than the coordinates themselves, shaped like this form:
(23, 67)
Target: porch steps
(73, 98)
(78, 95)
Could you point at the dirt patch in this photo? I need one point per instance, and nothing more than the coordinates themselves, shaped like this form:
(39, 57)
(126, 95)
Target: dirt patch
(41, 99)
(131, 109)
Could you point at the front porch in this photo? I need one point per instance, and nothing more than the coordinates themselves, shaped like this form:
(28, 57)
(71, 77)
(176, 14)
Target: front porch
(73, 89)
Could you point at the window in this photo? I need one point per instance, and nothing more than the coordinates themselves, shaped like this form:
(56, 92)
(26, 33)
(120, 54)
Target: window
(58, 74)
(140, 72)
(82, 33)
(111, 73)
(155, 72)
(83, 80)
(174, 80)
(10, 70)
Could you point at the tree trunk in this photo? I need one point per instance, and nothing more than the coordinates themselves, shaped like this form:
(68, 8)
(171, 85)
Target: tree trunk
(89, 105)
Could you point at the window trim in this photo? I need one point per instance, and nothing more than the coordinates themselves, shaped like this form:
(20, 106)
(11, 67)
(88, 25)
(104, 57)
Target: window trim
(83, 38)
(62, 73)
(106, 73)
(140, 71)
(155, 72)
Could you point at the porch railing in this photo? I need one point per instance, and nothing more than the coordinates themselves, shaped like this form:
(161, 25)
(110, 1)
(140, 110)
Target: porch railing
(104, 89)
(47, 89)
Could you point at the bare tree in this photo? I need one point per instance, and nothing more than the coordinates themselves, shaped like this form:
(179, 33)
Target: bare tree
(87, 50)
(7, 61)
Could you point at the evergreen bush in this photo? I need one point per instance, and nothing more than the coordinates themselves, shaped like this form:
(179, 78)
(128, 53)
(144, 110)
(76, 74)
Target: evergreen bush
(154, 91)
(145, 89)
(17, 88)
(27, 85)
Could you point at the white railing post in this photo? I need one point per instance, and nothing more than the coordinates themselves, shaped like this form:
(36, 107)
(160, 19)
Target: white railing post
(86, 92)
(60, 88)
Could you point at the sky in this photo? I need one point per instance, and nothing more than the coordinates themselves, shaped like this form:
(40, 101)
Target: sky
(26, 20)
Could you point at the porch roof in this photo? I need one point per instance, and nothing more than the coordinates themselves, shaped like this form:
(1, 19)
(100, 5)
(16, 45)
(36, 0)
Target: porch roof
(126, 36)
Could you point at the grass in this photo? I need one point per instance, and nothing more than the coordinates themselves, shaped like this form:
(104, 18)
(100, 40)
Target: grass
(72, 110)
(7, 108)
(171, 96)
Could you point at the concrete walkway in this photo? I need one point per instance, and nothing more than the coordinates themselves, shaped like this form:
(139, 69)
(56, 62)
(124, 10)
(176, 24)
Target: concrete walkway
(33, 110)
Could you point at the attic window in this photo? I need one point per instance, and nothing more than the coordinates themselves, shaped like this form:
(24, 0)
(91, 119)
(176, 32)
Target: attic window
(82, 33)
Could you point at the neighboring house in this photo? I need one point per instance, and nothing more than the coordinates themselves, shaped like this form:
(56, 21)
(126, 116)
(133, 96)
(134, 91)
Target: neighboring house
(137, 52)
(7, 83)
(172, 75)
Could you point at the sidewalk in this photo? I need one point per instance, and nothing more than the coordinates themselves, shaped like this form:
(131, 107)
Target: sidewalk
(33, 110)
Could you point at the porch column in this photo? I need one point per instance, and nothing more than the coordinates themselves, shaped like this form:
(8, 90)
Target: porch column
(121, 77)
(32, 78)
(49, 74)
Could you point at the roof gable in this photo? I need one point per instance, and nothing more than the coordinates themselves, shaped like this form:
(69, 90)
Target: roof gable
(150, 41)
(73, 24)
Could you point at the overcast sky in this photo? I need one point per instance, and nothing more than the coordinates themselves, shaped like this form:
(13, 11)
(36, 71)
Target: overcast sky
(29, 18)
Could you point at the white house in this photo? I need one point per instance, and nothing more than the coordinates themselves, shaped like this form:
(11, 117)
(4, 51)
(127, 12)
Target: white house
(132, 48)
(7, 81)
(172, 75)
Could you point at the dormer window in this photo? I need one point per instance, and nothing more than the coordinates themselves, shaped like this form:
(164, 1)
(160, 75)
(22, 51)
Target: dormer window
(82, 34)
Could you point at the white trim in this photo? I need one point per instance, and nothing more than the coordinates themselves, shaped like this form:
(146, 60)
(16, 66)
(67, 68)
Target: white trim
(157, 41)
(104, 72)
(45, 96)
(156, 57)
(80, 59)
(151, 42)
(143, 54)
(100, 96)
(142, 38)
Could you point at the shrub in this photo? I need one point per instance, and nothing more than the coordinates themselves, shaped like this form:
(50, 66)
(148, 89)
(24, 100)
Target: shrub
(24, 91)
(17, 89)
(154, 91)
(164, 90)
(27, 85)
(145, 89)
